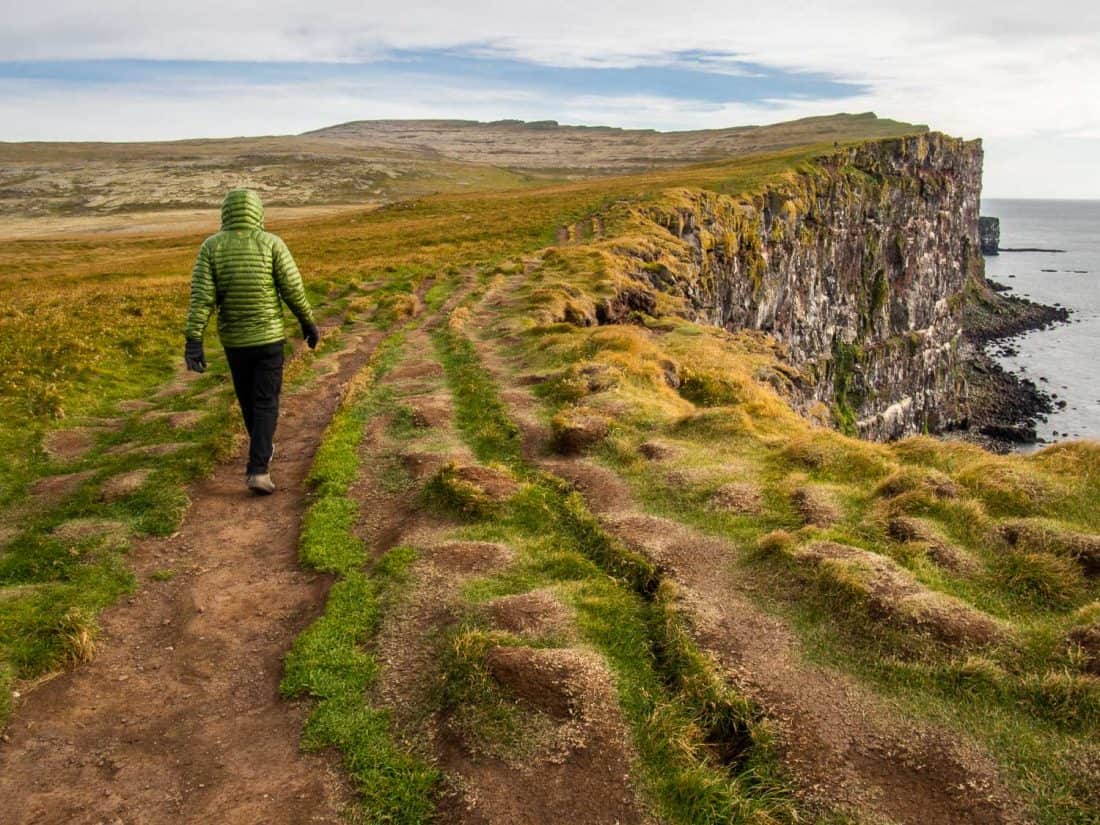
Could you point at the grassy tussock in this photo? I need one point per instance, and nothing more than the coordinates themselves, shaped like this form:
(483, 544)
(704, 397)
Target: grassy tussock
(1038, 579)
(1007, 537)
(480, 415)
(327, 541)
(456, 491)
(704, 755)
(491, 722)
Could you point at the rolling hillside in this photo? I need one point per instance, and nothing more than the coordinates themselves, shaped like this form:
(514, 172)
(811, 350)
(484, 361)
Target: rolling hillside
(554, 542)
(368, 162)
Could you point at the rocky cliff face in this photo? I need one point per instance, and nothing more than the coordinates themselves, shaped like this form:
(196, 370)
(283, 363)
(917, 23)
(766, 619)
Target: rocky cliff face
(858, 262)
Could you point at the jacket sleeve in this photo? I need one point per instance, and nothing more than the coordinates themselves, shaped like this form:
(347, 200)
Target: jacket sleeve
(288, 281)
(203, 296)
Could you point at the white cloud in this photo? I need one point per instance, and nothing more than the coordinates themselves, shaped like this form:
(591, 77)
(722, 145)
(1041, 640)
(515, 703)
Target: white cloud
(1016, 73)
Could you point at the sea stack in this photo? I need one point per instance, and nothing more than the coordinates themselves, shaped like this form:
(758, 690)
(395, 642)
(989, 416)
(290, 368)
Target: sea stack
(989, 235)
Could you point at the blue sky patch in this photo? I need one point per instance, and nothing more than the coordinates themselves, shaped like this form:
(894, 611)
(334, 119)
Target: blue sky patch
(698, 76)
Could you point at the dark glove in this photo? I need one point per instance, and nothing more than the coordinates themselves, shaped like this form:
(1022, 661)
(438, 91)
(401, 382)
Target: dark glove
(194, 356)
(310, 333)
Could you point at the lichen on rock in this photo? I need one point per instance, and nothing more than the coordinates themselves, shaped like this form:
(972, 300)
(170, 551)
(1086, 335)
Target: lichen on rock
(858, 264)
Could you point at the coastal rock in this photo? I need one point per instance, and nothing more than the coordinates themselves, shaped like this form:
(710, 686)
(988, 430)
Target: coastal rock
(1004, 408)
(989, 234)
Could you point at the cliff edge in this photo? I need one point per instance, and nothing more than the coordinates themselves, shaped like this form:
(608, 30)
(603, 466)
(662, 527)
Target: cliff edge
(864, 262)
(858, 263)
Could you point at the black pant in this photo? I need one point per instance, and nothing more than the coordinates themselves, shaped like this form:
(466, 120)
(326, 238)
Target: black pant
(258, 379)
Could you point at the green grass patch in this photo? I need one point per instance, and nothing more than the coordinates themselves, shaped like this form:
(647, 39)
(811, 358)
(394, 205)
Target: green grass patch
(49, 574)
(330, 666)
(328, 663)
(480, 414)
(328, 541)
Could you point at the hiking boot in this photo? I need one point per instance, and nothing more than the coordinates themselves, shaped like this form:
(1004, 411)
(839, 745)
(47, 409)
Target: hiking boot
(261, 484)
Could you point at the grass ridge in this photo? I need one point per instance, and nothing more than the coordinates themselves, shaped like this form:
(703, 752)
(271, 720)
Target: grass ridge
(328, 663)
(706, 755)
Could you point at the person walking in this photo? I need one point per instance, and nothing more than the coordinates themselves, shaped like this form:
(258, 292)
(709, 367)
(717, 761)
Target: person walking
(247, 274)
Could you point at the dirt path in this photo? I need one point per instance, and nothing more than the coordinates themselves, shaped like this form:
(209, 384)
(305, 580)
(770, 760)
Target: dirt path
(179, 718)
(842, 743)
(844, 746)
(575, 763)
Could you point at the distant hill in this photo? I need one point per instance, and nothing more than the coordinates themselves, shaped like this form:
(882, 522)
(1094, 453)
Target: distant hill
(546, 145)
(373, 162)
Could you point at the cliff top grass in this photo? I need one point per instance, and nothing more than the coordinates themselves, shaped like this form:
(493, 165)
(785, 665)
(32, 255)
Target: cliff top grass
(960, 583)
(963, 583)
(88, 321)
(90, 336)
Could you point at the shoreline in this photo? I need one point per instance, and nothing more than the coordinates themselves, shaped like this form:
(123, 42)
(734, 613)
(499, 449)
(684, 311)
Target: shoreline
(1004, 407)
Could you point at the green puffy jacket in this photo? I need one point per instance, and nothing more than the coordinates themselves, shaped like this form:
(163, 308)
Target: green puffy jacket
(246, 273)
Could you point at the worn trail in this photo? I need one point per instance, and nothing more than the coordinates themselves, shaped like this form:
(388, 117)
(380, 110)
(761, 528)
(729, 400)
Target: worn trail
(576, 763)
(179, 718)
(841, 743)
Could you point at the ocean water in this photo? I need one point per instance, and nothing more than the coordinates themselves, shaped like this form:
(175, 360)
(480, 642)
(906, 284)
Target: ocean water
(1065, 359)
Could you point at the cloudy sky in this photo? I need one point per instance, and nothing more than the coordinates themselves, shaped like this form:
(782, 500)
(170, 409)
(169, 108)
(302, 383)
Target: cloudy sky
(1024, 76)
